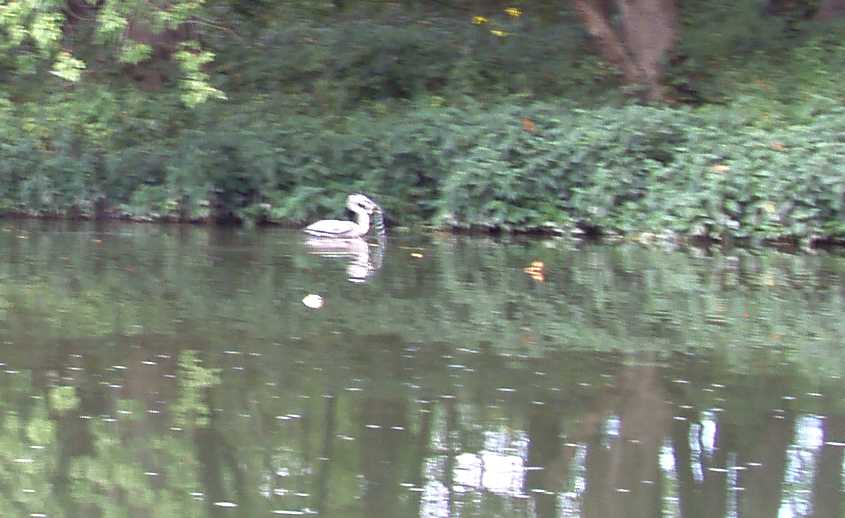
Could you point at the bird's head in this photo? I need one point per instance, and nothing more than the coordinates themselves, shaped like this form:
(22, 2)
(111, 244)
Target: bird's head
(361, 201)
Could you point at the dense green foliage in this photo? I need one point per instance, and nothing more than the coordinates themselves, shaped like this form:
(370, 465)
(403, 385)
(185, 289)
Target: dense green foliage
(615, 170)
(446, 122)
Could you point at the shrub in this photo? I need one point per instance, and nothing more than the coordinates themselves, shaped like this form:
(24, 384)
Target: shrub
(715, 172)
(641, 169)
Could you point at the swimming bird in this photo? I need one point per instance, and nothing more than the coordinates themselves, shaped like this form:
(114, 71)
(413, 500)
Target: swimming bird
(362, 206)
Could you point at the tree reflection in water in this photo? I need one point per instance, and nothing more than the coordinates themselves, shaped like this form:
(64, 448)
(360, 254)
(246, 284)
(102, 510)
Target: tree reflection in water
(176, 374)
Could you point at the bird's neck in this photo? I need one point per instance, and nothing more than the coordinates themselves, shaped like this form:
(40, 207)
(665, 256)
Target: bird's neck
(362, 221)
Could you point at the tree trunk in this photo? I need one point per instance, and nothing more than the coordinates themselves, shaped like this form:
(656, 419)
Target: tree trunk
(637, 44)
(149, 73)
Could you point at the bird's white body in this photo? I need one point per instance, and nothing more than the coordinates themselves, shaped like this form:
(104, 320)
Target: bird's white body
(339, 229)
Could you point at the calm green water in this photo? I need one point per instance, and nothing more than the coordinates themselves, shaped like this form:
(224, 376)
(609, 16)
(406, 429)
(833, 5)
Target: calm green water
(150, 371)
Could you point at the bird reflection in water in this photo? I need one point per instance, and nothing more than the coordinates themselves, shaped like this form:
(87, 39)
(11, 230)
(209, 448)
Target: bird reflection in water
(345, 239)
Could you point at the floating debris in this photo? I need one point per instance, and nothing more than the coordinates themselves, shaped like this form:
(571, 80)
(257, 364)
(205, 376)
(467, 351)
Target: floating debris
(313, 301)
(535, 270)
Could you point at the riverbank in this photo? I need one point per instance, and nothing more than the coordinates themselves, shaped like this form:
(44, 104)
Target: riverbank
(637, 172)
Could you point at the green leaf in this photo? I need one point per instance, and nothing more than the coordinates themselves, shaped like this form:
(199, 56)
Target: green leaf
(67, 67)
(133, 53)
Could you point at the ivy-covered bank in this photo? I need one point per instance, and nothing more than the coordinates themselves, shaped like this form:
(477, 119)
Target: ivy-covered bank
(715, 172)
(502, 116)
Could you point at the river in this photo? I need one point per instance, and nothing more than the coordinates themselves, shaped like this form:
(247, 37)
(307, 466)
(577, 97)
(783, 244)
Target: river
(174, 371)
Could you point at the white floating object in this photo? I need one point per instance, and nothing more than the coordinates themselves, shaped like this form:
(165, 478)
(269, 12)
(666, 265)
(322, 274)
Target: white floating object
(225, 504)
(313, 301)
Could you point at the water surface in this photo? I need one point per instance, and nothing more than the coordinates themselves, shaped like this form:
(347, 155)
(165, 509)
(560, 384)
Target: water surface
(170, 371)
